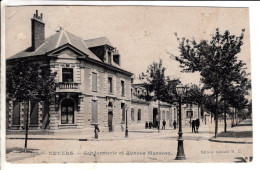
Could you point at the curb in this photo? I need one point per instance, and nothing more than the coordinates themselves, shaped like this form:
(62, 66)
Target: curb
(223, 141)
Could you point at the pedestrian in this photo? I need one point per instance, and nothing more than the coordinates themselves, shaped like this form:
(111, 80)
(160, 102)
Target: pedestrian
(193, 126)
(197, 124)
(174, 124)
(164, 123)
(96, 130)
(146, 125)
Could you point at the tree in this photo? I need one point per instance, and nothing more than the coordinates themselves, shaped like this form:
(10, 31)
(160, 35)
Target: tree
(156, 82)
(26, 82)
(195, 94)
(215, 60)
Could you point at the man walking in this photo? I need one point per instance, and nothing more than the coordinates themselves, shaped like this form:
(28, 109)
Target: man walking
(164, 123)
(193, 126)
(174, 124)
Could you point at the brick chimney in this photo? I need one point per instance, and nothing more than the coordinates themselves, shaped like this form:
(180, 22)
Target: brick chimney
(38, 31)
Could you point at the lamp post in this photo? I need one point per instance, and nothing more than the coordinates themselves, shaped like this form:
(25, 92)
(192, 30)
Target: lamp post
(126, 126)
(180, 150)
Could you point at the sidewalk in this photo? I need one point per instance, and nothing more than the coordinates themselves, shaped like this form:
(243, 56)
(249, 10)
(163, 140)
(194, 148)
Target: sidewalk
(88, 135)
(242, 133)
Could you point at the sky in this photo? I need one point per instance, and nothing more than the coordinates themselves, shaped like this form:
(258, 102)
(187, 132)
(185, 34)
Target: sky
(142, 35)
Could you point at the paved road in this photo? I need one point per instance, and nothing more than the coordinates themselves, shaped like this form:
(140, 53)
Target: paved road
(141, 146)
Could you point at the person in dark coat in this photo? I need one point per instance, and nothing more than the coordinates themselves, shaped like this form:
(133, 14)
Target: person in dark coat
(197, 124)
(164, 123)
(193, 126)
(174, 124)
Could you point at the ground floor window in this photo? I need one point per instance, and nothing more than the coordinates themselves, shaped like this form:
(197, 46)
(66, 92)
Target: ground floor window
(67, 111)
(189, 114)
(16, 113)
(123, 111)
(132, 114)
(139, 115)
(94, 111)
(34, 113)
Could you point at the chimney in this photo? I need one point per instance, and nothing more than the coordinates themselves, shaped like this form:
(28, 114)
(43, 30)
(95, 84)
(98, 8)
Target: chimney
(38, 31)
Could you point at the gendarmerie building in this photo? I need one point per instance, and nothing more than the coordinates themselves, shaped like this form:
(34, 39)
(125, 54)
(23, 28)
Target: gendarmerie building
(92, 87)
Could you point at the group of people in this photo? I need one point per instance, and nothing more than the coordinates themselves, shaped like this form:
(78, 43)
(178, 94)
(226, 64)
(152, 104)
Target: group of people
(195, 124)
(156, 124)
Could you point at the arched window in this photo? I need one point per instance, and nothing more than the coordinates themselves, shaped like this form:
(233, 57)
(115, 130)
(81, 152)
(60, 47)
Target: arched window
(67, 111)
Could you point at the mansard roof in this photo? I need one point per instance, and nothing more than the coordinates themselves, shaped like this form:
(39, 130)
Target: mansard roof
(60, 38)
(95, 42)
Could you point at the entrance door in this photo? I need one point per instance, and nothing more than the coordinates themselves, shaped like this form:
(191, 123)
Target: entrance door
(110, 121)
(155, 116)
(67, 111)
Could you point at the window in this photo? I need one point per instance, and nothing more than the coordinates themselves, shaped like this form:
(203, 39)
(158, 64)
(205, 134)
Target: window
(109, 57)
(94, 81)
(94, 111)
(67, 75)
(34, 113)
(110, 85)
(189, 114)
(123, 88)
(132, 114)
(16, 113)
(123, 111)
(139, 115)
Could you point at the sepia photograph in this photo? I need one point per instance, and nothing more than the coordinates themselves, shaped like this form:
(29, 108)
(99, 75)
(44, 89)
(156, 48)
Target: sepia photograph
(127, 84)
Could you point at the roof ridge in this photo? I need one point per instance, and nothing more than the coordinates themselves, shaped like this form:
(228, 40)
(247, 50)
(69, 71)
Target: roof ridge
(59, 39)
(96, 38)
(66, 35)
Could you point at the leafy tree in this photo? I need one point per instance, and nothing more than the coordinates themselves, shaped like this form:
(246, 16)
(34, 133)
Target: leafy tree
(26, 82)
(195, 94)
(216, 61)
(155, 76)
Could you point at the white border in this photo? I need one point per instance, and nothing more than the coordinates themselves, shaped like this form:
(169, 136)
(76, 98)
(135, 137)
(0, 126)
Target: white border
(254, 8)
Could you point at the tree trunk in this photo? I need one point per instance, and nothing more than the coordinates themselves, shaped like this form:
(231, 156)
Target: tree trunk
(159, 116)
(225, 116)
(211, 117)
(216, 116)
(198, 111)
(27, 126)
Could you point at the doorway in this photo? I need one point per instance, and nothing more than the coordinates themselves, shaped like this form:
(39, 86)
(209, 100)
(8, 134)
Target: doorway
(155, 116)
(110, 121)
(67, 111)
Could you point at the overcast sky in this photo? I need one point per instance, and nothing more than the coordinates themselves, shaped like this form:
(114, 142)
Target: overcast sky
(141, 34)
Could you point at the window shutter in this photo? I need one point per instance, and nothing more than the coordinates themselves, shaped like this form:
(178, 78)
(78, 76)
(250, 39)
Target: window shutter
(94, 111)
(94, 81)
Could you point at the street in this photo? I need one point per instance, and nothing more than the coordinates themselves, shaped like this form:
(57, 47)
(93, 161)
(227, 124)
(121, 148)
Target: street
(141, 146)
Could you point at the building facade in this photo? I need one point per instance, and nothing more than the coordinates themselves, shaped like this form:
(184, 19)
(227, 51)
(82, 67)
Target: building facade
(92, 88)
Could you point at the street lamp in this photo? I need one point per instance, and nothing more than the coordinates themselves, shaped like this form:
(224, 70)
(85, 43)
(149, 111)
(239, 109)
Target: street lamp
(126, 126)
(181, 90)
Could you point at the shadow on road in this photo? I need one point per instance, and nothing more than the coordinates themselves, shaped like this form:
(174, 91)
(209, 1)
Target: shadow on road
(20, 150)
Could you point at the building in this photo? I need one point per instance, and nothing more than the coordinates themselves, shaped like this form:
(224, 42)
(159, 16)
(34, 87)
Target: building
(92, 86)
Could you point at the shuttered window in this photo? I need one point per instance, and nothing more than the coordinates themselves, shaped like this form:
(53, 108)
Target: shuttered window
(123, 88)
(123, 111)
(94, 111)
(34, 113)
(94, 81)
(110, 85)
(139, 114)
(16, 113)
